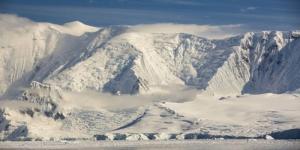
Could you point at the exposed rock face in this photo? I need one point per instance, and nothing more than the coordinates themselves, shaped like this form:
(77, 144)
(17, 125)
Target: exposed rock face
(4, 123)
(274, 63)
(19, 133)
(46, 97)
(11, 131)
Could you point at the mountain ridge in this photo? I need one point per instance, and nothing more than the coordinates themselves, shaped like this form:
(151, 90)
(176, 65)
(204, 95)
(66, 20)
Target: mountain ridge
(117, 59)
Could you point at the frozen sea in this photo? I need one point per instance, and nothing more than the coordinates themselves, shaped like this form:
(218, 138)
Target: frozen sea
(157, 145)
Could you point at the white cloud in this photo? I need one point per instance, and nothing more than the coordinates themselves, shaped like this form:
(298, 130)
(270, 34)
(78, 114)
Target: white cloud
(250, 8)
(207, 31)
(10, 21)
(92, 100)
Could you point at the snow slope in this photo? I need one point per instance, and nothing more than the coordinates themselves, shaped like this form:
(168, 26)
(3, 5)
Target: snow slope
(62, 74)
(79, 57)
(246, 115)
(135, 62)
(25, 50)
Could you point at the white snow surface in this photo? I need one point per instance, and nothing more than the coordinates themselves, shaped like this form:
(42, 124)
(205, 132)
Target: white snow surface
(246, 115)
(117, 80)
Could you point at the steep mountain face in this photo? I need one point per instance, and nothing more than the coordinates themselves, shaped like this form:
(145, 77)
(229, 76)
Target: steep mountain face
(31, 52)
(262, 62)
(233, 73)
(274, 59)
(78, 57)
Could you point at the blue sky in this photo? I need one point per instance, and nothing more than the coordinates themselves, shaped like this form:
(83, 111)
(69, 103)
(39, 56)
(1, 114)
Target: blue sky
(255, 14)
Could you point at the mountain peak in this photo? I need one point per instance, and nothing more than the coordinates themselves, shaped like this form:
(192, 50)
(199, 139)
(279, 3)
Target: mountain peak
(78, 28)
(74, 24)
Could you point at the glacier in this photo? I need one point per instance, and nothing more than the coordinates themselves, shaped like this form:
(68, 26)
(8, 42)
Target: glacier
(117, 80)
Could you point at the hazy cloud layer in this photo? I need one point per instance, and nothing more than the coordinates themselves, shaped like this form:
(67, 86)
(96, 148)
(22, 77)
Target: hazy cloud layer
(94, 100)
(10, 22)
(207, 31)
(251, 8)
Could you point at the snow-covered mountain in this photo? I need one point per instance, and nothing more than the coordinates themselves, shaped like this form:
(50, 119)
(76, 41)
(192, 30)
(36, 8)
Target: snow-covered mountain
(40, 62)
(77, 57)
